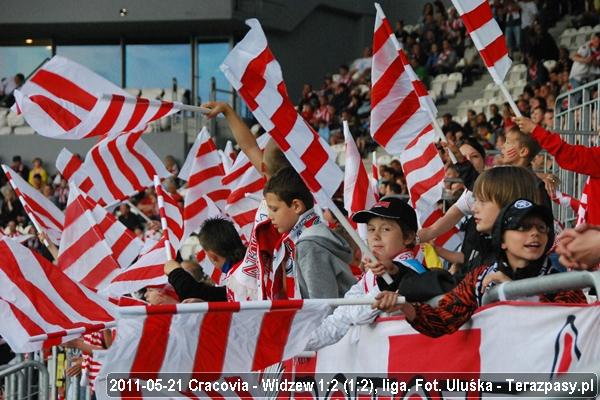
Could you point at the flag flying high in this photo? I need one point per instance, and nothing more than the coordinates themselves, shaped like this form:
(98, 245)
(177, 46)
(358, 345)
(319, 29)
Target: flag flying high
(358, 191)
(400, 120)
(121, 166)
(209, 338)
(38, 299)
(487, 36)
(252, 70)
(64, 100)
(94, 244)
(40, 209)
(171, 218)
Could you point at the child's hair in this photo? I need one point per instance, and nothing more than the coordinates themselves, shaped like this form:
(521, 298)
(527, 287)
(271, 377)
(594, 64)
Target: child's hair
(288, 185)
(526, 141)
(503, 185)
(219, 235)
(274, 159)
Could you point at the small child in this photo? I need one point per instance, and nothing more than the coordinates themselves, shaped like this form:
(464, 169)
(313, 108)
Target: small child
(310, 260)
(391, 231)
(523, 235)
(223, 246)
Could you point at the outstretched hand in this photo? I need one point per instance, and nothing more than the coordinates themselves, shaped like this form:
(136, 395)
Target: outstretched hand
(216, 108)
(525, 124)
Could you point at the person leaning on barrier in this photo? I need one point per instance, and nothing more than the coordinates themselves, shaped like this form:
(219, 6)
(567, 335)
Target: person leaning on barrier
(577, 158)
(522, 236)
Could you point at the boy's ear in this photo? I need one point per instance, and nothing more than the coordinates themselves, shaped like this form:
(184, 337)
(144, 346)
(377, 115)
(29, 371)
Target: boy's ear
(409, 238)
(298, 206)
(523, 152)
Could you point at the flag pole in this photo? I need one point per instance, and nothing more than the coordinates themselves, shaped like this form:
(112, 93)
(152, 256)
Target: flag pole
(163, 218)
(186, 308)
(75, 331)
(137, 211)
(176, 104)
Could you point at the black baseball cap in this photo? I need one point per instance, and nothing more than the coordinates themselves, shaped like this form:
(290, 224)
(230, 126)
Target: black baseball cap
(390, 207)
(513, 215)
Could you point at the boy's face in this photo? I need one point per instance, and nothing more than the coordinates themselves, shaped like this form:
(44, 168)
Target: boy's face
(511, 150)
(385, 238)
(485, 214)
(526, 243)
(282, 216)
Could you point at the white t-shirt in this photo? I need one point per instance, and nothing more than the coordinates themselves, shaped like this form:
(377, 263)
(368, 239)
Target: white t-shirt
(581, 70)
(465, 203)
(528, 12)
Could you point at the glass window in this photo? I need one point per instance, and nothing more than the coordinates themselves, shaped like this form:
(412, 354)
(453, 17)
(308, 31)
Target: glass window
(157, 66)
(22, 59)
(210, 57)
(105, 60)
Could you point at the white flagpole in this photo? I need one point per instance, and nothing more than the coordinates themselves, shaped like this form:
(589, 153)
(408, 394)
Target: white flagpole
(137, 211)
(74, 331)
(163, 219)
(176, 104)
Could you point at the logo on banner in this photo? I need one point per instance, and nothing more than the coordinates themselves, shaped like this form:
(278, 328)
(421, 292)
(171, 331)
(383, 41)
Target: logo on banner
(565, 348)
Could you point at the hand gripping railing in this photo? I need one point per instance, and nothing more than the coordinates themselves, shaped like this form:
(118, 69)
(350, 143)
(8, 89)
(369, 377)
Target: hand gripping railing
(18, 380)
(543, 284)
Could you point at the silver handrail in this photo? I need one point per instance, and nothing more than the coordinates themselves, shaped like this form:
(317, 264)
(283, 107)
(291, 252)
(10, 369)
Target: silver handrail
(17, 377)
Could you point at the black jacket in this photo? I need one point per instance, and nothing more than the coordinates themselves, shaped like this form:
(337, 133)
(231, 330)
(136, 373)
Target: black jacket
(187, 287)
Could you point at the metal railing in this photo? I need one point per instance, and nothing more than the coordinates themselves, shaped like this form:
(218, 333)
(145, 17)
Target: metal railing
(25, 379)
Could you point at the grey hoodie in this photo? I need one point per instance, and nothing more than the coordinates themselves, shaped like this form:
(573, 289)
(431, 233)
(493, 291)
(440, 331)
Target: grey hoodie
(322, 263)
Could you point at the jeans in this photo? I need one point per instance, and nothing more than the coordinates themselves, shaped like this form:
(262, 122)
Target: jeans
(513, 37)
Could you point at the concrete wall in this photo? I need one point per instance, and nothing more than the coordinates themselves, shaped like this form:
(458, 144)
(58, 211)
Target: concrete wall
(31, 146)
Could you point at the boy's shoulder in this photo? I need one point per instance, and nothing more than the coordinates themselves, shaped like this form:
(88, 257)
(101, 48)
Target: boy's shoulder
(320, 235)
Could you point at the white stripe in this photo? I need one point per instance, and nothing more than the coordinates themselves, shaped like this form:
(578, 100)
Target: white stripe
(383, 59)
(242, 339)
(465, 6)
(486, 34)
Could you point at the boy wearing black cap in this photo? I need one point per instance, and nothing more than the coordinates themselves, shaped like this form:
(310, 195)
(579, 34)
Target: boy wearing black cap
(523, 235)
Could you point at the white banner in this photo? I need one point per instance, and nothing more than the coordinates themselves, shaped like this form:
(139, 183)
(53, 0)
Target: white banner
(510, 338)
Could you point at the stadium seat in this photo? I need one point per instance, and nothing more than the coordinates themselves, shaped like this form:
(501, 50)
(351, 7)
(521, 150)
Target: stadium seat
(15, 120)
(457, 76)
(597, 28)
(440, 78)
(23, 130)
(580, 39)
(408, 28)
(432, 95)
(450, 88)
(490, 90)
(479, 105)
(569, 32)
(565, 41)
(550, 64)
(437, 87)
(585, 29)
(133, 91)
(464, 107)
(5, 130)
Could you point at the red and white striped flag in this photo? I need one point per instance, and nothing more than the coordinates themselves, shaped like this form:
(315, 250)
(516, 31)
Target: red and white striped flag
(358, 192)
(45, 214)
(122, 166)
(375, 174)
(209, 341)
(400, 120)
(246, 184)
(565, 200)
(203, 171)
(253, 71)
(38, 300)
(452, 239)
(171, 218)
(72, 169)
(487, 36)
(148, 270)
(227, 156)
(94, 244)
(583, 203)
(64, 100)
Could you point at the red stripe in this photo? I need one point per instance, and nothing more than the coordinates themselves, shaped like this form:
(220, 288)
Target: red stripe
(567, 355)
(27, 323)
(39, 209)
(429, 154)
(165, 107)
(107, 122)
(175, 227)
(142, 273)
(106, 175)
(152, 346)
(314, 157)
(445, 237)
(274, 331)
(63, 117)
(233, 175)
(147, 165)
(253, 80)
(71, 167)
(477, 17)
(206, 147)
(87, 185)
(205, 174)
(212, 344)
(409, 106)
(245, 218)
(99, 272)
(494, 51)
(219, 195)
(141, 106)
(78, 248)
(381, 35)
(64, 89)
(386, 82)
(420, 88)
(416, 138)
(195, 208)
(423, 186)
(240, 192)
(123, 166)
(361, 190)
(284, 119)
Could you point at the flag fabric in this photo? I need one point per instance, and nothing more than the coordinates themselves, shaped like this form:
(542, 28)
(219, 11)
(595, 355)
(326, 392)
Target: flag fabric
(94, 244)
(122, 166)
(64, 100)
(358, 192)
(227, 156)
(213, 339)
(171, 219)
(246, 184)
(148, 270)
(39, 299)
(400, 120)
(41, 210)
(71, 168)
(203, 171)
(583, 203)
(565, 200)
(451, 240)
(375, 175)
(487, 36)
(398, 106)
(252, 70)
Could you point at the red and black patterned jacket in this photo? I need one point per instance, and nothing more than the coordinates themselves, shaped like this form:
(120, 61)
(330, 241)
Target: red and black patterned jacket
(457, 306)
